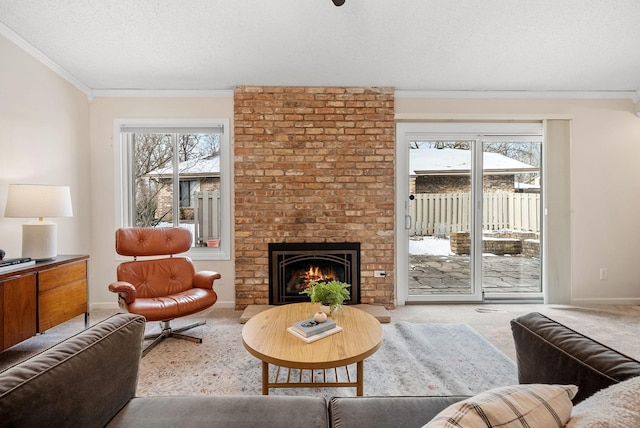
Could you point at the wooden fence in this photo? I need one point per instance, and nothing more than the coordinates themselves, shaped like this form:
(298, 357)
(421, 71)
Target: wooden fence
(438, 214)
(206, 215)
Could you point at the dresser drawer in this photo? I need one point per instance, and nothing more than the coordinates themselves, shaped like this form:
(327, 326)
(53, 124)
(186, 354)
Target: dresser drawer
(62, 275)
(62, 294)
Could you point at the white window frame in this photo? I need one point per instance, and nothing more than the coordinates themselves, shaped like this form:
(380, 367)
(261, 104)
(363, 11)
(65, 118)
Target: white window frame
(122, 188)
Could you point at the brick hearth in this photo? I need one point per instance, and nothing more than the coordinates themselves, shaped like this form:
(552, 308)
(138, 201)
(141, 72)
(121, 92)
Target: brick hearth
(313, 164)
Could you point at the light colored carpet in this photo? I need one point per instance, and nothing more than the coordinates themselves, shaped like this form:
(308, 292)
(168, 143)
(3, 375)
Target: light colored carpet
(613, 325)
(414, 359)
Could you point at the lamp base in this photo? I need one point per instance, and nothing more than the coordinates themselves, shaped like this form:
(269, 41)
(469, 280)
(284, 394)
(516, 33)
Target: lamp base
(39, 240)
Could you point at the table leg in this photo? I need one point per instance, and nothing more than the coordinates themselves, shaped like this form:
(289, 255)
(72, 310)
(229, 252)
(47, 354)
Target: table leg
(360, 381)
(265, 378)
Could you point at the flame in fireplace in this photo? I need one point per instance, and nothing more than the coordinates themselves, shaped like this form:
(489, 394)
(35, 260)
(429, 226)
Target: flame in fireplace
(315, 274)
(301, 278)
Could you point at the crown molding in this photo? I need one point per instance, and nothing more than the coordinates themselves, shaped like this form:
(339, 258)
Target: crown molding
(37, 54)
(472, 117)
(150, 93)
(461, 94)
(632, 95)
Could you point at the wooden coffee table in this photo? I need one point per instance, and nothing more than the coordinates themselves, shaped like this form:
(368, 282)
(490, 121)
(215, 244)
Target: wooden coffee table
(265, 336)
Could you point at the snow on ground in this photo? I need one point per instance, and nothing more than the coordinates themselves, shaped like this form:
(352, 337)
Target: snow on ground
(430, 245)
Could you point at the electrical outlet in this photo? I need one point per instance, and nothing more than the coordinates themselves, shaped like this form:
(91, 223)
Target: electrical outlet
(379, 274)
(604, 273)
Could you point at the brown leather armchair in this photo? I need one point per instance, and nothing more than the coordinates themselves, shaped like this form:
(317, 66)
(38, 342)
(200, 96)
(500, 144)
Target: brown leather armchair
(161, 289)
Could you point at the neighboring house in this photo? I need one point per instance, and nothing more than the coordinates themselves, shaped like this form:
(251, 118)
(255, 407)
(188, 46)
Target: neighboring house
(443, 170)
(195, 176)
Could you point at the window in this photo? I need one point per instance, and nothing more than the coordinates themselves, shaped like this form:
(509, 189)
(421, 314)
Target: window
(176, 173)
(187, 190)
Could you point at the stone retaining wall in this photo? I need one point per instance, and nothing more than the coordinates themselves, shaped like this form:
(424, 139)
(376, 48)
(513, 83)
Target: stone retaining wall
(500, 243)
(531, 248)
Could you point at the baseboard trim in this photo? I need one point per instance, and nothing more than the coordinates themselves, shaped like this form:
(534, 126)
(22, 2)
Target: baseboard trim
(606, 301)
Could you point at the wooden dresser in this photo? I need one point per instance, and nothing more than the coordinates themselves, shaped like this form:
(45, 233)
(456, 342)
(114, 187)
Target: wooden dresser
(39, 297)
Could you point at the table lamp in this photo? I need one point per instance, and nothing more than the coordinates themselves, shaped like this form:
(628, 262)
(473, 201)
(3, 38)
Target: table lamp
(39, 238)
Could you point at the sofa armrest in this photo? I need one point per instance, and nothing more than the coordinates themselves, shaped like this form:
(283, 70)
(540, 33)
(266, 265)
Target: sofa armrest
(83, 381)
(387, 412)
(549, 352)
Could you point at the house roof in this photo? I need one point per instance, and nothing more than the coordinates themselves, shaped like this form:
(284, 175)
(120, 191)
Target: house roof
(206, 167)
(547, 46)
(432, 161)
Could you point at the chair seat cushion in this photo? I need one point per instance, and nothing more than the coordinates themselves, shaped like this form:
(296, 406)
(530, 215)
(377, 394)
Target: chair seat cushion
(158, 277)
(173, 306)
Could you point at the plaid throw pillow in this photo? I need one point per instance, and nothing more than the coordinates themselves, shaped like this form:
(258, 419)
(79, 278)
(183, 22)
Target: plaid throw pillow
(533, 405)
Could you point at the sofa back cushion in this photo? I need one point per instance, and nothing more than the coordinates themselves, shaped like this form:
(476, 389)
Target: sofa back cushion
(387, 411)
(83, 381)
(549, 352)
(194, 411)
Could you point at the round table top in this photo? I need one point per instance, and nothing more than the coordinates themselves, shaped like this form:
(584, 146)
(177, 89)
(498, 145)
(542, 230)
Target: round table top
(265, 336)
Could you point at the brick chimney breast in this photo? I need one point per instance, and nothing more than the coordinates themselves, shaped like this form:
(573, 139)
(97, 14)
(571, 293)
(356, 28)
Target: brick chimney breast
(314, 164)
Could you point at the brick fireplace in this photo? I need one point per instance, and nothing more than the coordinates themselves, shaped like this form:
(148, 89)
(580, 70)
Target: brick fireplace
(314, 165)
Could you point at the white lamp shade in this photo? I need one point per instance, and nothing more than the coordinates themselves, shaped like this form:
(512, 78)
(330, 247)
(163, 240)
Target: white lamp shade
(38, 201)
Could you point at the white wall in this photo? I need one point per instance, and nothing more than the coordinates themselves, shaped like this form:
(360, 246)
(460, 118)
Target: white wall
(50, 133)
(103, 112)
(605, 153)
(44, 136)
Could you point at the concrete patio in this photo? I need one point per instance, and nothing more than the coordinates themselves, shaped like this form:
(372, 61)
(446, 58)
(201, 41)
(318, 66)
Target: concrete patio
(450, 274)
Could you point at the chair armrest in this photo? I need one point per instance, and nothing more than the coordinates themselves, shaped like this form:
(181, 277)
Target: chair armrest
(126, 290)
(205, 279)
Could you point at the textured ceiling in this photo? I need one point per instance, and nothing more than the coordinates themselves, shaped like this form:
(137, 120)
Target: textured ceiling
(427, 45)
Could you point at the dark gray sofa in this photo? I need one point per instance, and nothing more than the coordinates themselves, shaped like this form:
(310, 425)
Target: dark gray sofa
(89, 380)
(549, 352)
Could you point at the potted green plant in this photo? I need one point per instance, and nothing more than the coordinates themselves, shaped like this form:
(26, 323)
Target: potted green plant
(331, 293)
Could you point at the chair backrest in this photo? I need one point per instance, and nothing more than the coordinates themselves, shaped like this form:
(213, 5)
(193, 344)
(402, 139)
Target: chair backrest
(147, 241)
(155, 277)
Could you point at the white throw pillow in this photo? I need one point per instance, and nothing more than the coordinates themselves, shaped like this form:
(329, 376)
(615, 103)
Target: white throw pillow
(532, 405)
(614, 407)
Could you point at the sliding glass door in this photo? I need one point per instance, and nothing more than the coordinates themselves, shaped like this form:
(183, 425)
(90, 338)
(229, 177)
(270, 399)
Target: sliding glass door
(471, 224)
(441, 220)
(511, 217)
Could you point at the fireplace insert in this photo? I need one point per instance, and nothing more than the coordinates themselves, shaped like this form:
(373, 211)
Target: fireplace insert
(292, 266)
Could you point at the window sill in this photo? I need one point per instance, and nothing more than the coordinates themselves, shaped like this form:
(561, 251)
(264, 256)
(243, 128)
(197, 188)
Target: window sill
(204, 253)
(195, 254)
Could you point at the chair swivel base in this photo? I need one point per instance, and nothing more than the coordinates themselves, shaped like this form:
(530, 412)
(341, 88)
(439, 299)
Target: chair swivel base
(168, 331)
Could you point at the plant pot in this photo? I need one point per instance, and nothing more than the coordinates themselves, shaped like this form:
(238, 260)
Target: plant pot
(325, 308)
(213, 242)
